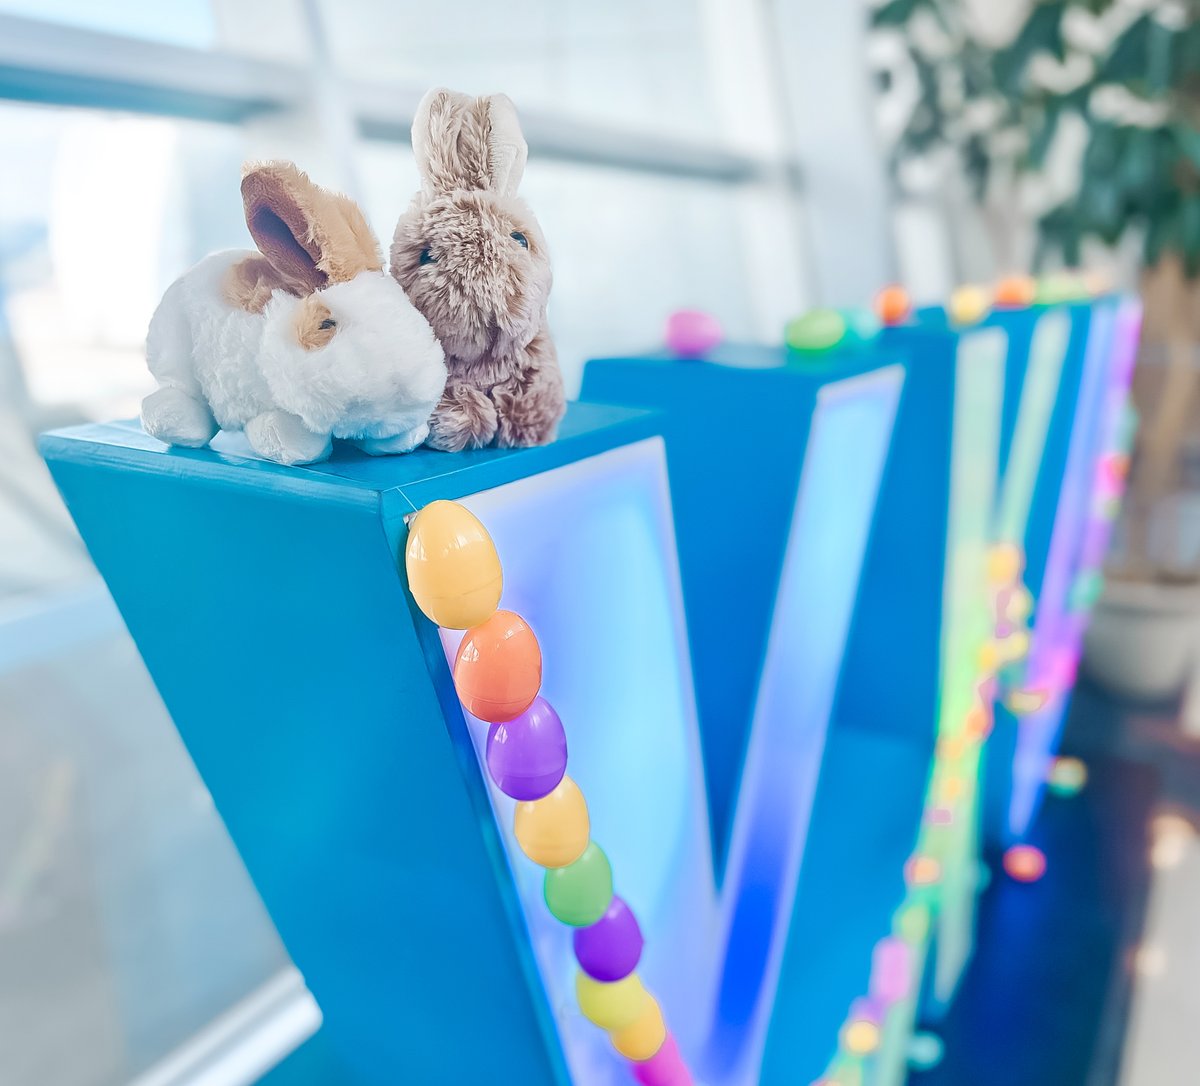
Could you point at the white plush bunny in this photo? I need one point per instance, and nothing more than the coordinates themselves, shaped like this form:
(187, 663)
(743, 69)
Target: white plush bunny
(306, 339)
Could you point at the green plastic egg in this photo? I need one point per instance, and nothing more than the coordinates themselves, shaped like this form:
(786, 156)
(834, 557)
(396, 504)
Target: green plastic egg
(579, 893)
(1060, 289)
(816, 330)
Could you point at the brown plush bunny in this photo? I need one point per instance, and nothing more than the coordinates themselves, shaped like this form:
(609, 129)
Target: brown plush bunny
(472, 259)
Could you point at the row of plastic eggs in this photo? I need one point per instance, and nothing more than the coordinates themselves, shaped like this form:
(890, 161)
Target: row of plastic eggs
(456, 578)
(692, 333)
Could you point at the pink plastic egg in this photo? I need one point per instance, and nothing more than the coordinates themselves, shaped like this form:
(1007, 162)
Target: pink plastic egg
(691, 332)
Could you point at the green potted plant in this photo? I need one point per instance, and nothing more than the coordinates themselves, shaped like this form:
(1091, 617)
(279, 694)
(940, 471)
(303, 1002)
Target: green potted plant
(1069, 131)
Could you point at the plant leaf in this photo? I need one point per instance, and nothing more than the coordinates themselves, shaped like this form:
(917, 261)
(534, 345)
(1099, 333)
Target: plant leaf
(1042, 31)
(894, 13)
(1128, 60)
(1043, 136)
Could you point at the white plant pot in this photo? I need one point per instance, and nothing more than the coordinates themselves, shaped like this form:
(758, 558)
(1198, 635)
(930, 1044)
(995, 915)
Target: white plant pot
(1143, 639)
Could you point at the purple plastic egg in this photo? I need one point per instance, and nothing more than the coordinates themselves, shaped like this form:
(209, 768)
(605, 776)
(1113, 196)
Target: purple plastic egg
(691, 332)
(610, 949)
(527, 756)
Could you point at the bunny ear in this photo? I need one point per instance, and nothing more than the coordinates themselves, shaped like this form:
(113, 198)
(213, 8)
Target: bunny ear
(507, 149)
(462, 142)
(311, 236)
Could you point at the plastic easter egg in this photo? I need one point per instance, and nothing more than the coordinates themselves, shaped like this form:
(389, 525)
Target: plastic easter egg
(527, 756)
(893, 305)
(1019, 605)
(1004, 563)
(1025, 863)
(610, 1006)
(498, 671)
(453, 569)
(978, 724)
(969, 305)
(645, 1035)
(925, 1051)
(553, 831)
(1015, 292)
(664, 1068)
(817, 330)
(861, 1036)
(1058, 289)
(692, 332)
(989, 657)
(579, 893)
(923, 871)
(913, 922)
(953, 789)
(611, 948)
(1066, 777)
(1026, 702)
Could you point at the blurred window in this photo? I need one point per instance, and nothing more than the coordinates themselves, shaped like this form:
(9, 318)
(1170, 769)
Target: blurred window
(180, 22)
(623, 63)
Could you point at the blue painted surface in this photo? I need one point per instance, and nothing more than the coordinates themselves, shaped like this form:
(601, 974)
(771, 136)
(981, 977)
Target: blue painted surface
(268, 607)
(835, 505)
(728, 477)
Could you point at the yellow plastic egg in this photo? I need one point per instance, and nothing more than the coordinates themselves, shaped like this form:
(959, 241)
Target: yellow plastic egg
(610, 1005)
(553, 831)
(1019, 606)
(989, 657)
(453, 569)
(861, 1037)
(969, 305)
(645, 1035)
(1015, 646)
(1004, 563)
(953, 789)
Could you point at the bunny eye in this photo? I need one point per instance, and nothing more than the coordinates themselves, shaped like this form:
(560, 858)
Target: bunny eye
(327, 323)
(427, 257)
(520, 239)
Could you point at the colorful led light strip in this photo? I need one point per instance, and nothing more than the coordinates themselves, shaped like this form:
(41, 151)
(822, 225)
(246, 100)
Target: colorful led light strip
(876, 1025)
(455, 576)
(899, 957)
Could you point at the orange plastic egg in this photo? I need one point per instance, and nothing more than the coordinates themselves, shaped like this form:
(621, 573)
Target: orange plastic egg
(1016, 291)
(453, 569)
(923, 871)
(645, 1035)
(1025, 863)
(893, 305)
(498, 671)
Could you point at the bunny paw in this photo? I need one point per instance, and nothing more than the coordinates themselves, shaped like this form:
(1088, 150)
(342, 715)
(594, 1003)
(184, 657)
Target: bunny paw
(465, 419)
(172, 416)
(283, 438)
(527, 418)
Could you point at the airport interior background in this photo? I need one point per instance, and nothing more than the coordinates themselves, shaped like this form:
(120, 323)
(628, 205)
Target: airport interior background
(750, 159)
